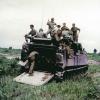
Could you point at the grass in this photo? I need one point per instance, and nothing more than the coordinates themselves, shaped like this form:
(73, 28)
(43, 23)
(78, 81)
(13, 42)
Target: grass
(94, 56)
(67, 90)
(79, 87)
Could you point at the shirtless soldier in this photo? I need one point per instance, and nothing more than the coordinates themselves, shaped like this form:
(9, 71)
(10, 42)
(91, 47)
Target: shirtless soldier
(75, 34)
(51, 26)
(31, 34)
(30, 62)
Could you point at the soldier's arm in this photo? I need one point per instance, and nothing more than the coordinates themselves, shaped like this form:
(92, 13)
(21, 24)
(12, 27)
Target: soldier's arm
(29, 33)
(78, 29)
(27, 36)
(36, 33)
(55, 24)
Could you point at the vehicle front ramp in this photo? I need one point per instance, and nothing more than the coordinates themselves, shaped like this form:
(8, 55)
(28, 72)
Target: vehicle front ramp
(37, 79)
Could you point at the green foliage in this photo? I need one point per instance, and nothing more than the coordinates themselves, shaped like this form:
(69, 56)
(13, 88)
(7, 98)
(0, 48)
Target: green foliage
(94, 68)
(73, 89)
(8, 67)
(10, 51)
(94, 56)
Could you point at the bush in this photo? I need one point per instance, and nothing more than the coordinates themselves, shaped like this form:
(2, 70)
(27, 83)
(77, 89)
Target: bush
(9, 67)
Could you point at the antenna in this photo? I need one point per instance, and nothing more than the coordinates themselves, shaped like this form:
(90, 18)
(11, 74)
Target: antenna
(42, 20)
(42, 12)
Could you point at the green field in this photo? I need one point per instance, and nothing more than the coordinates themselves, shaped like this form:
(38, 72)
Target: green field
(79, 87)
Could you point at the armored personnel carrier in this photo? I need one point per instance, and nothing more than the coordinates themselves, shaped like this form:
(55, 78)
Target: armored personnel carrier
(58, 58)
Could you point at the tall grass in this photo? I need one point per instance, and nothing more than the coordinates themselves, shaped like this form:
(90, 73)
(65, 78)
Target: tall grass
(79, 89)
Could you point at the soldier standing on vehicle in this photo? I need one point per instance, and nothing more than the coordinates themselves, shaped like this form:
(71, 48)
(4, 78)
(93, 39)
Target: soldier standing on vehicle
(31, 34)
(75, 34)
(51, 25)
(58, 33)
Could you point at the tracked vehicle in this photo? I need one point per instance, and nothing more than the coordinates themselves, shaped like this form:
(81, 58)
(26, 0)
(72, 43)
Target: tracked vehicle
(53, 58)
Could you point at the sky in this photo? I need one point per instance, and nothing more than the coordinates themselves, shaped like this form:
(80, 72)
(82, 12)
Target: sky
(17, 15)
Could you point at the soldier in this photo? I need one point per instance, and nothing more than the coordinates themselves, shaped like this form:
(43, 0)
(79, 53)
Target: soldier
(24, 52)
(51, 25)
(95, 51)
(31, 62)
(65, 30)
(70, 51)
(41, 34)
(64, 27)
(31, 34)
(57, 33)
(74, 30)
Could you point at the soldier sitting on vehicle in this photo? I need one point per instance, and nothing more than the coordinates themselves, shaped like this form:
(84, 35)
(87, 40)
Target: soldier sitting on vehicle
(75, 34)
(41, 34)
(31, 34)
(66, 34)
(69, 50)
(65, 31)
(51, 25)
(58, 33)
(70, 35)
(64, 27)
(56, 36)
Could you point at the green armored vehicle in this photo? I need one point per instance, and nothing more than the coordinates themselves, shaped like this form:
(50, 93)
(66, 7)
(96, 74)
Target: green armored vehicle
(55, 58)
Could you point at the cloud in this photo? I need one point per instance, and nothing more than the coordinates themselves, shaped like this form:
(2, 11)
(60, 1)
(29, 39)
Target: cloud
(17, 15)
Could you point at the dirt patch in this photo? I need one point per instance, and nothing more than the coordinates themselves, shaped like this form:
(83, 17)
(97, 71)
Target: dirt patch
(93, 62)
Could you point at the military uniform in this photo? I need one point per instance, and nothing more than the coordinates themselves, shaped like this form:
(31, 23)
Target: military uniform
(58, 33)
(24, 52)
(65, 30)
(41, 34)
(69, 51)
(51, 27)
(31, 61)
(75, 35)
